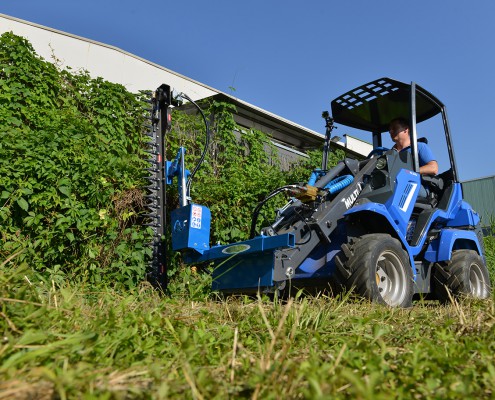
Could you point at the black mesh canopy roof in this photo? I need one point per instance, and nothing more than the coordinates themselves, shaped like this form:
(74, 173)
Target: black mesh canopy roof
(372, 106)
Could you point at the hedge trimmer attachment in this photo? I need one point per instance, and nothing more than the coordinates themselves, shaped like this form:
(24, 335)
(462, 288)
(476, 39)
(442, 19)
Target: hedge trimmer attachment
(159, 119)
(161, 174)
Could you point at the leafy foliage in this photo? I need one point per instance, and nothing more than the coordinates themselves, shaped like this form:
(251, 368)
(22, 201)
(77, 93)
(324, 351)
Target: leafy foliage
(71, 161)
(70, 170)
(489, 242)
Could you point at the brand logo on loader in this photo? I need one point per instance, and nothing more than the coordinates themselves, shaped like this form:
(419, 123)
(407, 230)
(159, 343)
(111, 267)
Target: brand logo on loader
(349, 201)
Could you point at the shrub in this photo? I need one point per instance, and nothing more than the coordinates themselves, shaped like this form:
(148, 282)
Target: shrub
(70, 167)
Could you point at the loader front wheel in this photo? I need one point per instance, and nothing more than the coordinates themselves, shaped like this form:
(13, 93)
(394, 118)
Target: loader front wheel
(377, 267)
(464, 275)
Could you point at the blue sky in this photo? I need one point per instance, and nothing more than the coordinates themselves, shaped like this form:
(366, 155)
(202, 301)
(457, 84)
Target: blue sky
(292, 58)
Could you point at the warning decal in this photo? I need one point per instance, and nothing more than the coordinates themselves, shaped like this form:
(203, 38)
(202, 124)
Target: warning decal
(196, 214)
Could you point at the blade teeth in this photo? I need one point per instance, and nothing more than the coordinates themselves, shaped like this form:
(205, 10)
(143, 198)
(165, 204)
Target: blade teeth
(153, 225)
(151, 215)
(151, 130)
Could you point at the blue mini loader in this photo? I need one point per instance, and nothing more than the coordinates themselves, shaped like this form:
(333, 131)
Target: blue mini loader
(359, 226)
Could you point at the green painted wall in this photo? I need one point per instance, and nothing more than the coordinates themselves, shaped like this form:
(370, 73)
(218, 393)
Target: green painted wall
(480, 193)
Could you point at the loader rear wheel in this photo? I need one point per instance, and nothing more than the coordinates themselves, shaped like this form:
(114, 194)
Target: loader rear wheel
(464, 275)
(377, 267)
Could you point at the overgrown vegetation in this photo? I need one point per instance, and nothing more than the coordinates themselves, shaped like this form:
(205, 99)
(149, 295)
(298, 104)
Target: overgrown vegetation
(72, 167)
(77, 320)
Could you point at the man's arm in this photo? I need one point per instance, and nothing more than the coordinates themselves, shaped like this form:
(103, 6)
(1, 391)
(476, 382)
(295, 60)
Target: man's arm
(427, 162)
(430, 168)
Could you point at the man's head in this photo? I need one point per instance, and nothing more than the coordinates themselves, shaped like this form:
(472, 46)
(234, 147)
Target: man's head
(397, 126)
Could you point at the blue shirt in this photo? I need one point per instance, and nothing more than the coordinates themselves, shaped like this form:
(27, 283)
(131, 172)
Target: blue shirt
(425, 155)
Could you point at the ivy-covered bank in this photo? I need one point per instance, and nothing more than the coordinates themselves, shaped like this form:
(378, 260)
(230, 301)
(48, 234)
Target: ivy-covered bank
(72, 167)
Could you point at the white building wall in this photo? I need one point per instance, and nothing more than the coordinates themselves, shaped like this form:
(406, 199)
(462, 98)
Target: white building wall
(357, 145)
(108, 62)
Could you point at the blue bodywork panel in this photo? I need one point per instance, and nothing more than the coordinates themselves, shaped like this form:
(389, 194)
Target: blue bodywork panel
(191, 228)
(400, 205)
(252, 271)
(441, 249)
(258, 244)
(464, 216)
(249, 264)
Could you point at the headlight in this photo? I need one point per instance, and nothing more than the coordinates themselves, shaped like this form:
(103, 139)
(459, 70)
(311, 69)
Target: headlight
(381, 163)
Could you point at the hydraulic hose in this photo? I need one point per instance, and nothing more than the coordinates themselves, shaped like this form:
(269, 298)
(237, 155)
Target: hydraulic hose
(257, 210)
(339, 183)
(207, 143)
(315, 175)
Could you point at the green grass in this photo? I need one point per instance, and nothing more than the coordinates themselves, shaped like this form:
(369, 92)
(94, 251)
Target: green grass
(77, 342)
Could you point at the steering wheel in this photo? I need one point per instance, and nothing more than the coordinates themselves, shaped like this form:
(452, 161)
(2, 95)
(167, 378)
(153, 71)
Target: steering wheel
(378, 150)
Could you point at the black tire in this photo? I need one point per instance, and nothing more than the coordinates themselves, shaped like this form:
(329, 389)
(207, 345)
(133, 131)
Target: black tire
(376, 267)
(464, 275)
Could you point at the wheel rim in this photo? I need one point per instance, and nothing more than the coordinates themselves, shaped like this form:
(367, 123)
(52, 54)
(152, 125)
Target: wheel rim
(478, 287)
(391, 278)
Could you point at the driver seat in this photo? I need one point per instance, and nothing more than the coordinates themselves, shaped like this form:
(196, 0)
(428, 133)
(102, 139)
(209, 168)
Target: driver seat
(440, 191)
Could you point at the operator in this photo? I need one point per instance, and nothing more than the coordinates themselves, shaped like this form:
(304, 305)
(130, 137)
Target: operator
(399, 133)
